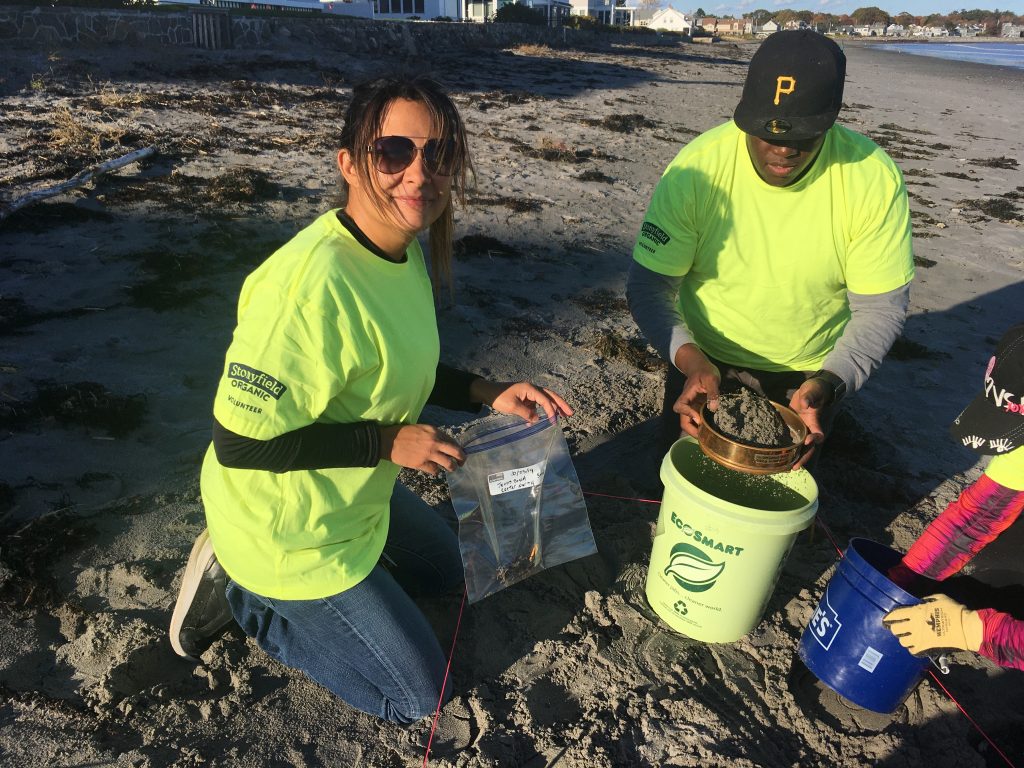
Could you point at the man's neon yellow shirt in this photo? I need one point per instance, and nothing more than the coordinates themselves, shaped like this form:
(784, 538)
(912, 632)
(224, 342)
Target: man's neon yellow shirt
(327, 332)
(766, 269)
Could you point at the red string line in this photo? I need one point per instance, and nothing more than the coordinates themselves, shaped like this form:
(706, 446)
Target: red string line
(971, 719)
(623, 498)
(819, 521)
(444, 683)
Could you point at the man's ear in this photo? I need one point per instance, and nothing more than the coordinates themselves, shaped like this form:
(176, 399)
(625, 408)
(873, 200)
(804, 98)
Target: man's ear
(348, 168)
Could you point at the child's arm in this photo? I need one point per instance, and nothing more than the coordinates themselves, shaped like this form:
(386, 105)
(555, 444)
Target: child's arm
(983, 511)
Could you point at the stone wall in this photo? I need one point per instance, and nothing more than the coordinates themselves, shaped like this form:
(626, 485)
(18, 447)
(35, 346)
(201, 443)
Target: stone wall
(47, 26)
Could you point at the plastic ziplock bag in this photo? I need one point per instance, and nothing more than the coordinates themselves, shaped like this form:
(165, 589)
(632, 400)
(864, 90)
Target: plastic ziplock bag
(519, 503)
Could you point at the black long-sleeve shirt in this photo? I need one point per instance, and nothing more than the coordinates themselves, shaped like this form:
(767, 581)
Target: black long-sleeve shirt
(324, 446)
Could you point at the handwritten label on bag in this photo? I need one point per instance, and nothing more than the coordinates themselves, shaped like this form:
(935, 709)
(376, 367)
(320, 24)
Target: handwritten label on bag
(516, 479)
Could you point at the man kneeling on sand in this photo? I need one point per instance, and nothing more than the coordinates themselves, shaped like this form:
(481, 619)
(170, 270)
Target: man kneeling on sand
(776, 249)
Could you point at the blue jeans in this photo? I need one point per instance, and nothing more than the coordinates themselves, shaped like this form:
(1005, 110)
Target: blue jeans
(370, 645)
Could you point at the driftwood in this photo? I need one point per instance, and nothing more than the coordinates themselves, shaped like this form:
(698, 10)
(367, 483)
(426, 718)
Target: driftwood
(80, 178)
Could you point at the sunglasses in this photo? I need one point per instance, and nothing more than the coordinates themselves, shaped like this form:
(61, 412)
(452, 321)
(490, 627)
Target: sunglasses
(394, 154)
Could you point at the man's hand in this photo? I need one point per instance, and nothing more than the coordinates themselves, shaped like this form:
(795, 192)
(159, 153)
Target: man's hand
(937, 624)
(519, 399)
(420, 446)
(702, 381)
(808, 402)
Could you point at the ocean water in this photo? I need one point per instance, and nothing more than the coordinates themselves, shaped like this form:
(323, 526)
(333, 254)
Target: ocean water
(1000, 54)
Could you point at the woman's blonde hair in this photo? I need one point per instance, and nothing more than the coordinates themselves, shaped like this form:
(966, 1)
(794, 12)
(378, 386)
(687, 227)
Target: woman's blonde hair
(364, 121)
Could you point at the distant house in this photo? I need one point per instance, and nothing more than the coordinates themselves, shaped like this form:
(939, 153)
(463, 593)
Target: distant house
(970, 30)
(668, 19)
(314, 6)
(363, 9)
(604, 11)
(727, 26)
(1012, 30)
(934, 31)
(895, 30)
(424, 9)
(769, 27)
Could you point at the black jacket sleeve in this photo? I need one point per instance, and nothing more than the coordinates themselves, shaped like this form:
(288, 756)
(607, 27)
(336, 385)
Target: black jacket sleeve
(317, 446)
(326, 446)
(451, 389)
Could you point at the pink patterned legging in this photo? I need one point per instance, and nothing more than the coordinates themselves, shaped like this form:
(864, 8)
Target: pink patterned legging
(983, 511)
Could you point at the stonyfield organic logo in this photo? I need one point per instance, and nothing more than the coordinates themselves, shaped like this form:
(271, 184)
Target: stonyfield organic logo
(655, 233)
(692, 569)
(256, 383)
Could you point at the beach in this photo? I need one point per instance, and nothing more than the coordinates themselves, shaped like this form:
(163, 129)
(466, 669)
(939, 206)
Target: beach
(118, 301)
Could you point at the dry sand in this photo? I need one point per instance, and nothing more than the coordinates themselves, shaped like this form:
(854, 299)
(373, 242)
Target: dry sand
(117, 303)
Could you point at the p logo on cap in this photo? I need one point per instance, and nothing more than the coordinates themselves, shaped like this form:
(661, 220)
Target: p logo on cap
(795, 76)
(784, 85)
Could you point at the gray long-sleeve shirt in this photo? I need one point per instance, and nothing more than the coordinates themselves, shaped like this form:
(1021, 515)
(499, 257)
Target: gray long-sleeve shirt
(876, 320)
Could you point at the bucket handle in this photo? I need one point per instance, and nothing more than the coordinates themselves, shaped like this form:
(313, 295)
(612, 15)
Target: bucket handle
(940, 662)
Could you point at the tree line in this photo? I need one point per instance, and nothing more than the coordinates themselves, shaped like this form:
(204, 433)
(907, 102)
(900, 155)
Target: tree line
(992, 21)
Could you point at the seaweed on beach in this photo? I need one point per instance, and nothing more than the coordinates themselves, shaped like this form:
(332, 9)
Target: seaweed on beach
(552, 150)
(595, 175)
(85, 403)
(917, 172)
(632, 351)
(471, 246)
(89, 404)
(908, 349)
(45, 216)
(622, 123)
(514, 204)
(923, 217)
(901, 129)
(523, 326)
(602, 303)
(922, 261)
(32, 549)
(1008, 163)
(1001, 208)
(956, 175)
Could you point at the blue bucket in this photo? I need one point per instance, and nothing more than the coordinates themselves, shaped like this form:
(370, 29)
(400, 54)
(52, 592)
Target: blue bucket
(846, 645)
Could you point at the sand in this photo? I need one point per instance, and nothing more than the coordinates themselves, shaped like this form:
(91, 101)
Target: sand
(118, 301)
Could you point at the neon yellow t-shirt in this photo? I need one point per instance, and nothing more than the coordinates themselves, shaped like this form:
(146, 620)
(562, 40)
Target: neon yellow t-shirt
(327, 332)
(766, 269)
(1007, 469)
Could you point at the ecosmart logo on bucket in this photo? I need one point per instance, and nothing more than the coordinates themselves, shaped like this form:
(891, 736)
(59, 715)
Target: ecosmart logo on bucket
(692, 569)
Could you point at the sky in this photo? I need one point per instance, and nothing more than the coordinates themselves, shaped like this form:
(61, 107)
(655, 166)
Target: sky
(839, 7)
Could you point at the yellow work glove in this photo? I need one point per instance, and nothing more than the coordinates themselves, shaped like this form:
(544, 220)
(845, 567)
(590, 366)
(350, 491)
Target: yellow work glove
(937, 624)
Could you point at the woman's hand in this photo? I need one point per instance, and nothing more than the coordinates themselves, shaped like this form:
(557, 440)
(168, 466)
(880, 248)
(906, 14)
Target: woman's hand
(808, 402)
(702, 381)
(519, 399)
(420, 446)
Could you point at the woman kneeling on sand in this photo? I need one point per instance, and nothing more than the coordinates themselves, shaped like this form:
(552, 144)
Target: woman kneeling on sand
(312, 546)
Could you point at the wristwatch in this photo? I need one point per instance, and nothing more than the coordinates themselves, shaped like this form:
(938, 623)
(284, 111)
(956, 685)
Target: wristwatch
(836, 386)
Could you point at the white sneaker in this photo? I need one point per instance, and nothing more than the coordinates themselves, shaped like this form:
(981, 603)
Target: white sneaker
(201, 611)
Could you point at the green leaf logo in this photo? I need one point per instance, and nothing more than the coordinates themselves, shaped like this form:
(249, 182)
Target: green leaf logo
(692, 569)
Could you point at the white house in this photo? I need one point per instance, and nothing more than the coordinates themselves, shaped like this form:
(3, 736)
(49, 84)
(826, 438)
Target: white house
(668, 19)
(769, 27)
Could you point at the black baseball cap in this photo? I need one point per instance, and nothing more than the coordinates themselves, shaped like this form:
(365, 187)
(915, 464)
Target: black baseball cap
(994, 421)
(794, 87)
